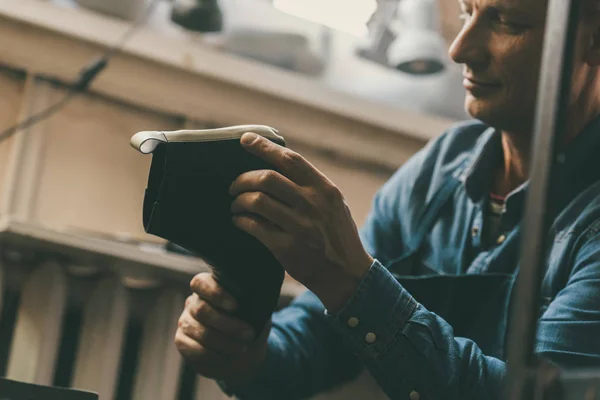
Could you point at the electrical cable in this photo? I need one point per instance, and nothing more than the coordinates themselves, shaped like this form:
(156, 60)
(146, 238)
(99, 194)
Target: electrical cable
(86, 77)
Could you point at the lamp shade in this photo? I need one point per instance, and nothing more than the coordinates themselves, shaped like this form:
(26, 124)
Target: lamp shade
(419, 48)
(198, 15)
(418, 52)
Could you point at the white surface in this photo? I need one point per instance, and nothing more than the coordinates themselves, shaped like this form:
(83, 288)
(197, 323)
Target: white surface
(126, 9)
(379, 97)
(346, 16)
(441, 95)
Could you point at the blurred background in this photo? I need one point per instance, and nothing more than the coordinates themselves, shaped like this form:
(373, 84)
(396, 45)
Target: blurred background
(87, 299)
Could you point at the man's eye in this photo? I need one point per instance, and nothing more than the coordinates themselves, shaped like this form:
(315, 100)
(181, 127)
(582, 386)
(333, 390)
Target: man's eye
(513, 26)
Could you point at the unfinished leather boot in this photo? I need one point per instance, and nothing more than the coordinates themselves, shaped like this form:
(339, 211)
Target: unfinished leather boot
(187, 202)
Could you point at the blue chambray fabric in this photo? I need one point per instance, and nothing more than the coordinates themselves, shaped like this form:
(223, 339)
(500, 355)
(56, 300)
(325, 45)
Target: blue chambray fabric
(437, 297)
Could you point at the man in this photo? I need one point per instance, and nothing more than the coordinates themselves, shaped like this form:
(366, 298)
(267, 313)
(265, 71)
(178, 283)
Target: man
(447, 224)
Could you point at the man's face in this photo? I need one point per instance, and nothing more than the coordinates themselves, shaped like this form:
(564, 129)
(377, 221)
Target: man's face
(500, 46)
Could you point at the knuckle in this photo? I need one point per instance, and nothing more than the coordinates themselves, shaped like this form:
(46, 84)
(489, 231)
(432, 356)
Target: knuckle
(189, 301)
(249, 222)
(266, 178)
(258, 199)
(305, 230)
(332, 192)
(184, 325)
(200, 336)
(198, 281)
(202, 310)
(292, 158)
(179, 340)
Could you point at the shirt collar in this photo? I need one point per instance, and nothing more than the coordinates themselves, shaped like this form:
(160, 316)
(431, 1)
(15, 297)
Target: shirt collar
(486, 156)
(574, 160)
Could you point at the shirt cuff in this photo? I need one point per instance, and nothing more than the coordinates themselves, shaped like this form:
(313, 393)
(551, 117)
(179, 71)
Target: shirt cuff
(376, 312)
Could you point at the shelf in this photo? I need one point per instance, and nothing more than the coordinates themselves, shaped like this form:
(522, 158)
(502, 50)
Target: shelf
(190, 78)
(87, 250)
(131, 260)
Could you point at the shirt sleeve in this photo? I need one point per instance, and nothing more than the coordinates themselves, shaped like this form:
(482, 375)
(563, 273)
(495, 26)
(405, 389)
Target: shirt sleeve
(569, 326)
(409, 349)
(305, 352)
(405, 346)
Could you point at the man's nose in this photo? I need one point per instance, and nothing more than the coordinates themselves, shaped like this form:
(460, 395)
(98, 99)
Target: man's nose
(470, 45)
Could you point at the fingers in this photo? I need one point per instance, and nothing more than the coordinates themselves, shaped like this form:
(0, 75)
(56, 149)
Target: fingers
(216, 344)
(290, 163)
(207, 288)
(270, 235)
(205, 314)
(209, 338)
(263, 205)
(205, 361)
(271, 183)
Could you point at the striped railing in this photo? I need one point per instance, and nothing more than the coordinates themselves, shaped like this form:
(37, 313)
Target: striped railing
(100, 315)
(75, 314)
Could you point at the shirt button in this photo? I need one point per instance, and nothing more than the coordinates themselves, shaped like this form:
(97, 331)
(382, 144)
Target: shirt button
(475, 231)
(501, 239)
(414, 395)
(370, 338)
(352, 322)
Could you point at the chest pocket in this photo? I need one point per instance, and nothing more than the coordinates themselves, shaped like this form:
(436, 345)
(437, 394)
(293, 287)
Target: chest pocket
(475, 305)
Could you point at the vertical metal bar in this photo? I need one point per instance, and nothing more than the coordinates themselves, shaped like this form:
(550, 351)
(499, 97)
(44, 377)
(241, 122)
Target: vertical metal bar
(550, 123)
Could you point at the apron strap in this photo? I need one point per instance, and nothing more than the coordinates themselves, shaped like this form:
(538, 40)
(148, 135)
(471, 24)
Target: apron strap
(427, 219)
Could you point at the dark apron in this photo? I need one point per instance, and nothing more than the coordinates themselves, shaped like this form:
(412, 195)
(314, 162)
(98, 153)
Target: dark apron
(475, 305)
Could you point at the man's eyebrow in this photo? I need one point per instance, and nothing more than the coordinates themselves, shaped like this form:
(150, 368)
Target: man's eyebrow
(507, 7)
(510, 9)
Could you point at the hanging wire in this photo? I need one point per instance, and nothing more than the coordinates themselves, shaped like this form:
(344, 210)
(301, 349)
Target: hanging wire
(86, 77)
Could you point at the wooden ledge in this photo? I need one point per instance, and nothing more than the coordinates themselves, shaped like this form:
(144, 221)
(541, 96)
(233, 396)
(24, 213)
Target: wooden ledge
(131, 259)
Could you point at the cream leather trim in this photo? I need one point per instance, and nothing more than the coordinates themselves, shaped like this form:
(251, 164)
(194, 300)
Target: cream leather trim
(146, 141)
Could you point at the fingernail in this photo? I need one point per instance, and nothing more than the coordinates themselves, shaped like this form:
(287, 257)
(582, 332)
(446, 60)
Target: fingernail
(228, 305)
(249, 137)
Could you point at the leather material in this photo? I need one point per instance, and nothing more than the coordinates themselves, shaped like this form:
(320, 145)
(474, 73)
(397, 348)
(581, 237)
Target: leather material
(187, 202)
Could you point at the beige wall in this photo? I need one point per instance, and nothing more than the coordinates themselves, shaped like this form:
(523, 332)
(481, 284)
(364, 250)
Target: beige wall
(91, 178)
(82, 174)
(77, 170)
(11, 89)
(357, 184)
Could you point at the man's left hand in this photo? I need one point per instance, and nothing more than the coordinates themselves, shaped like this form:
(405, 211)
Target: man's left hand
(302, 217)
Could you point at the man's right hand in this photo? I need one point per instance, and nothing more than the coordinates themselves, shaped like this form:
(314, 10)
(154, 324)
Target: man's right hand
(213, 342)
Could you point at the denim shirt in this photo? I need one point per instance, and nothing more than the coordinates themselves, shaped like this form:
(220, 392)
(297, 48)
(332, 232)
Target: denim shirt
(389, 329)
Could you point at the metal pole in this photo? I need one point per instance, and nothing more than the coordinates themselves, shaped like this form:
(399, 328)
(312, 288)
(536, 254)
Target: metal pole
(550, 121)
